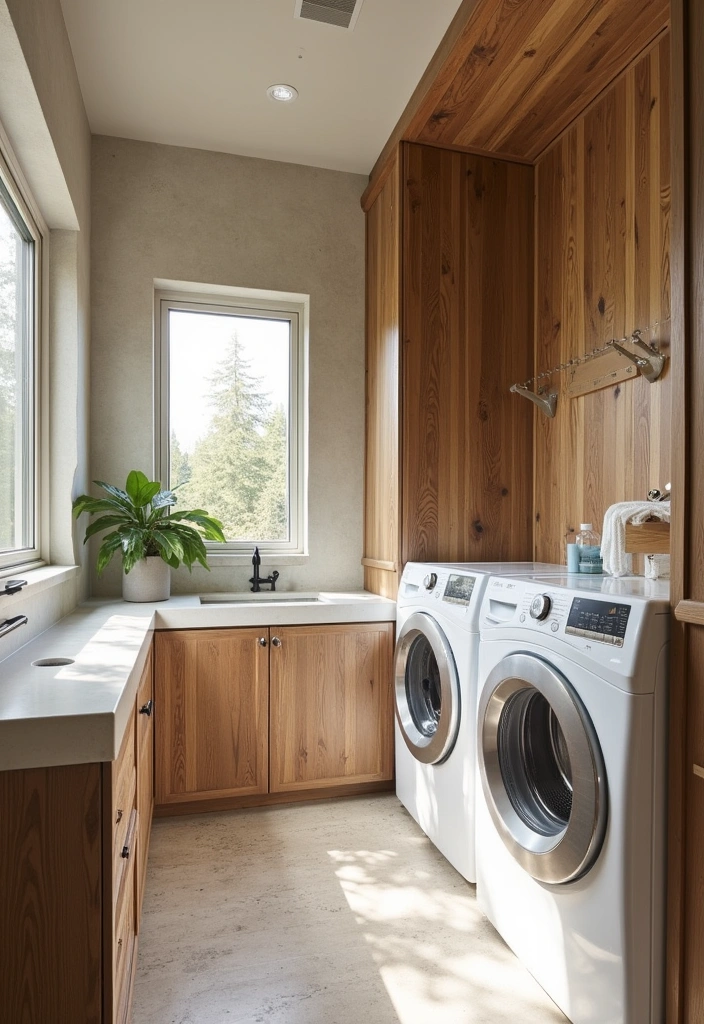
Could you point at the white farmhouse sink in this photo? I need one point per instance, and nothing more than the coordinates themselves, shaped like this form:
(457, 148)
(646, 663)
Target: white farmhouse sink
(264, 597)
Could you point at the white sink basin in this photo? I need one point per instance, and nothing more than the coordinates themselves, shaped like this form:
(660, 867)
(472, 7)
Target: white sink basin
(265, 597)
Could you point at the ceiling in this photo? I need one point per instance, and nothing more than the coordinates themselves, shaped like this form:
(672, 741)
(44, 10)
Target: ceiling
(195, 73)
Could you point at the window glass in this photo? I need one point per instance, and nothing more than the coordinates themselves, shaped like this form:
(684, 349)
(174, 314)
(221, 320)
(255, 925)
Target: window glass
(233, 419)
(17, 463)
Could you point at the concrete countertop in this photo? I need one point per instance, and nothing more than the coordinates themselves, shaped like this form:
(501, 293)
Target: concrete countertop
(77, 713)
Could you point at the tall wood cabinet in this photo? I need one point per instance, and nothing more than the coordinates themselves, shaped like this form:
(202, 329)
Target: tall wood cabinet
(685, 938)
(449, 330)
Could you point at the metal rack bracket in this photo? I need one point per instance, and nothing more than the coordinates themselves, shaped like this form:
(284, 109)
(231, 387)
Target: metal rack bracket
(650, 363)
(547, 403)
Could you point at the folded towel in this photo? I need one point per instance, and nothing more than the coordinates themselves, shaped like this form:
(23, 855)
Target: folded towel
(613, 541)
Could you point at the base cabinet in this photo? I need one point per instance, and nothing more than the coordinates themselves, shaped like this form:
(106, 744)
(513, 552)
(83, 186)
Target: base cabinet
(73, 843)
(250, 712)
(212, 688)
(332, 714)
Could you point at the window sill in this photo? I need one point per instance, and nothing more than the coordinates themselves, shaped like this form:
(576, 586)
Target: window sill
(269, 561)
(43, 577)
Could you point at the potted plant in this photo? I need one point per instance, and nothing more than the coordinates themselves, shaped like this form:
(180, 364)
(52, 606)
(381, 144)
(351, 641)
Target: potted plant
(150, 535)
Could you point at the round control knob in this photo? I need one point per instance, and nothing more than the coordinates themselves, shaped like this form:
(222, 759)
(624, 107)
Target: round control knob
(540, 607)
(430, 580)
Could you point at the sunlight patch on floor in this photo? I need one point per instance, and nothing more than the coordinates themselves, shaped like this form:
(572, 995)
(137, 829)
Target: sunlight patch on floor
(438, 957)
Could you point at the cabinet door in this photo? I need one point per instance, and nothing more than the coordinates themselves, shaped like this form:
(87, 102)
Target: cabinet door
(211, 689)
(145, 776)
(331, 705)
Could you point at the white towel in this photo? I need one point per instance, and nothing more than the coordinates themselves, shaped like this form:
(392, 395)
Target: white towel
(613, 540)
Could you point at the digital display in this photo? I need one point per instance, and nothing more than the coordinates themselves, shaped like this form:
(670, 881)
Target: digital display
(598, 620)
(458, 589)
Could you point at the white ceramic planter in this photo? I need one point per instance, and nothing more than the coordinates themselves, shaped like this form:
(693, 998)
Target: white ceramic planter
(149, 580)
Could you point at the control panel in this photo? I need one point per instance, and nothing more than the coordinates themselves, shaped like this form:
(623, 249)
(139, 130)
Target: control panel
(604, 621)
(459, 589)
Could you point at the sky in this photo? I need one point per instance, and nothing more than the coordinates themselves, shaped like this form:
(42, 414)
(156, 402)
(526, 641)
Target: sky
(197, 344)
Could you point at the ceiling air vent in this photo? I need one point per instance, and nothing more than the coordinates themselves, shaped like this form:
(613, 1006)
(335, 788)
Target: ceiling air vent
(343, 13)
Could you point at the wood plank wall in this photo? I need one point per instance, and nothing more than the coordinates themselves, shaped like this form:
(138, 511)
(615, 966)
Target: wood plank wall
(382, 485)
(603, 269)
(467, 336)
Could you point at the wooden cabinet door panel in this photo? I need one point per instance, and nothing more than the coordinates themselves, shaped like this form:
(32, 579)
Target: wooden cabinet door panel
(211, 688)
(331, 706)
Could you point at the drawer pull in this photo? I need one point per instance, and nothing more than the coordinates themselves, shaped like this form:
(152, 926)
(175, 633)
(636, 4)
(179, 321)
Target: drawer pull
(146, 709)
(275, 642)
(698, 770)
(129, 838)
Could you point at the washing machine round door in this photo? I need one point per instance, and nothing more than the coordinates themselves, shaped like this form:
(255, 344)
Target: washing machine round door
(427, 689)
(542, 770)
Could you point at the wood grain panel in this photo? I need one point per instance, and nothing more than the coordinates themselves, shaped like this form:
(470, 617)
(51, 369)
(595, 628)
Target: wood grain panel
(382, 481)
(145, 777)
(50, 880)
(467, 335)
(211, 688)
(509, 77)
(602, 269)
(331, 706)
(686, 867)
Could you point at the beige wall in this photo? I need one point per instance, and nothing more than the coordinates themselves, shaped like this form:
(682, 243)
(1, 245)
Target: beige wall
(163, 212)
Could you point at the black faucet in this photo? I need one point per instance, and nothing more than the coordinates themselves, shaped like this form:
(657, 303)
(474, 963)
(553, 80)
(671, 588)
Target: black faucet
(256, 580)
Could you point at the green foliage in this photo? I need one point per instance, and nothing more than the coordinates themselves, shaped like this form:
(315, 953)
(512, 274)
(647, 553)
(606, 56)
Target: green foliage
(144, 524)
(240, 467)
(9, 340)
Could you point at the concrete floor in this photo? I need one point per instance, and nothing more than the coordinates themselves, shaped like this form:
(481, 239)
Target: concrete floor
(329, 913)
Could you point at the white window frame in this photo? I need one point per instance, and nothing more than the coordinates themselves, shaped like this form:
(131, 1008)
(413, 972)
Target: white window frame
(35, 469)
(244, 302)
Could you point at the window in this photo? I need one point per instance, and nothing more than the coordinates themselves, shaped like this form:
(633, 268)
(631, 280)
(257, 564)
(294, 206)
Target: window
(19, 290)
(232, 410)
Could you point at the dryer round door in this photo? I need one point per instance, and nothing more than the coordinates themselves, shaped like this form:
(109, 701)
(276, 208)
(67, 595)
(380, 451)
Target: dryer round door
(542, 770)
(427, 689)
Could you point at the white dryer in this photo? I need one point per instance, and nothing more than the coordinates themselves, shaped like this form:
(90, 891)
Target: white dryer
(571, 745)
(436, 698)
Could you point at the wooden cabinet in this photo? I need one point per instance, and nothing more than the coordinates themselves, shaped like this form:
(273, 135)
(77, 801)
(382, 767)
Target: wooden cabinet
(145, 777)
(332, 715)
(72, 856)
(249, 712)
(449, 329)
(212, 689)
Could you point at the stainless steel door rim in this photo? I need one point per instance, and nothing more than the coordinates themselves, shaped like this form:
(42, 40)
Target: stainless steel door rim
(427, 689)
(541, 768)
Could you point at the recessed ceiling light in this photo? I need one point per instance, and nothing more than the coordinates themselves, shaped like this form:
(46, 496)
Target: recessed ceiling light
(282, 93)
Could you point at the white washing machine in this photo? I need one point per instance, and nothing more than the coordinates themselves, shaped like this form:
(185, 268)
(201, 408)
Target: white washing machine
(570, 829)
(436, 698)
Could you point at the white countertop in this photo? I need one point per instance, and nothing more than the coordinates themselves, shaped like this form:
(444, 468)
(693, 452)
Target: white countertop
(77, 713)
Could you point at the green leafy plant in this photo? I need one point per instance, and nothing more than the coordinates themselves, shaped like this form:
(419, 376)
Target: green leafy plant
(145, 525)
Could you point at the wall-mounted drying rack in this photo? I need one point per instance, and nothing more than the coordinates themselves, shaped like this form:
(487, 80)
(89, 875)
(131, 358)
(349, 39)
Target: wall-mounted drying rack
(616, 362)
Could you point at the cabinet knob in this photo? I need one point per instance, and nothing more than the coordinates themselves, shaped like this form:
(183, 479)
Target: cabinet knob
(275, 642)
(262, 641)
(146, 709)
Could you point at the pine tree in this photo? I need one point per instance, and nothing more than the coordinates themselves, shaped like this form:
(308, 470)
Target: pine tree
(238, 470)
(180, 469)
(8, 381)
